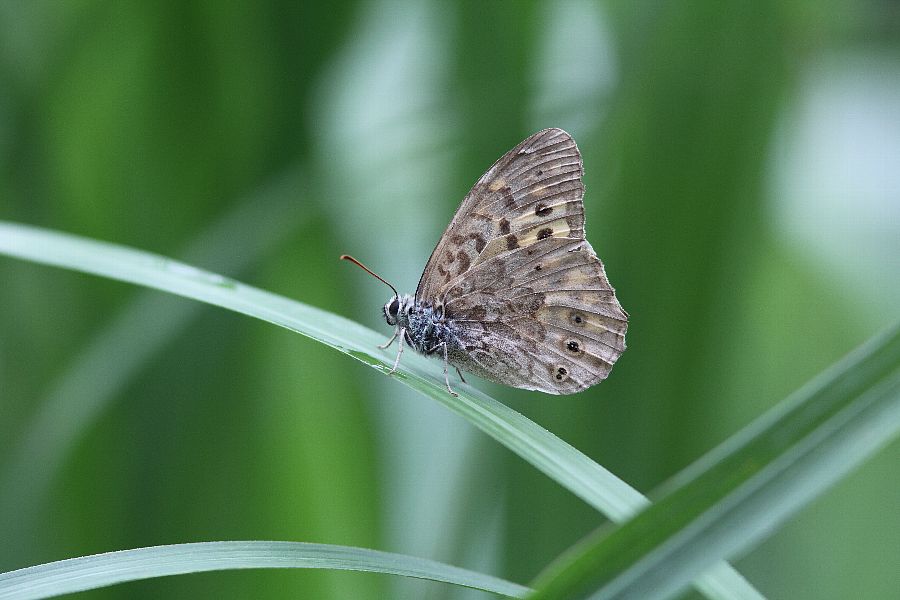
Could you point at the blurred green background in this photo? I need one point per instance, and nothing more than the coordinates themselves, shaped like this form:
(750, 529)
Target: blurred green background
(743, 188)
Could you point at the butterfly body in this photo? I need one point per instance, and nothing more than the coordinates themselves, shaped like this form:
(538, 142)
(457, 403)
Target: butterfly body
(513, 292)
(424, 329)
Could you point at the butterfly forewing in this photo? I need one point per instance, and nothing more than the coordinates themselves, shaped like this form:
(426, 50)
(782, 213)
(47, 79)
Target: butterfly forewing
(528, 298)
(532, 184)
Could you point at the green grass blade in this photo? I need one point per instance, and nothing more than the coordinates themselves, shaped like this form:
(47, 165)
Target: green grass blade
(742, 491)
(101, 570)
(560, 461)
(568, 466)
(130, 339)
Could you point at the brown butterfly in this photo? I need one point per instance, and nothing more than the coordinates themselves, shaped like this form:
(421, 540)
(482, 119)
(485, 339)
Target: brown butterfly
(513, 292)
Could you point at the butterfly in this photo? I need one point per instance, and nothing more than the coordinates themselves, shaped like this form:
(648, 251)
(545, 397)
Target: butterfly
(513, 292)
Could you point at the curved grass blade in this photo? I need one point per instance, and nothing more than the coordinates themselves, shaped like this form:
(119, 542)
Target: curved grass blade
(101, 570)
(129, 339)
(558, 460)
(740, 492)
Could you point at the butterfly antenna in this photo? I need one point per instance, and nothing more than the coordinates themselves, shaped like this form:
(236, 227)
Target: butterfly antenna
(369, 271)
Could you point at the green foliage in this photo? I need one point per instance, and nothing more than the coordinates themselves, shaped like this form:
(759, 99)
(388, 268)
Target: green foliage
(91, 572)
(549, 454)
(738, 493)
(757, 479)
(739, 172)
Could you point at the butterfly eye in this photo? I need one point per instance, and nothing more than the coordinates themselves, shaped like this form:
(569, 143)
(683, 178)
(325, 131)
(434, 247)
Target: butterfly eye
(394, 307)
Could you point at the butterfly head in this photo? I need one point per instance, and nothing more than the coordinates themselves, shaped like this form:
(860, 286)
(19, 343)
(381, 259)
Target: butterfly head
(397, 309)
(392, 310)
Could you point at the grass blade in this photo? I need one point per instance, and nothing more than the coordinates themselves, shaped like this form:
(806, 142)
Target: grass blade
(560, 461)
(101, 570)
(130, 339)
(743, 490)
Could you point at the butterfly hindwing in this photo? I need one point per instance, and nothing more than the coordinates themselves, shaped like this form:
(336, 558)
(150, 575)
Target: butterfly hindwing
(525, 357)
(558, 302)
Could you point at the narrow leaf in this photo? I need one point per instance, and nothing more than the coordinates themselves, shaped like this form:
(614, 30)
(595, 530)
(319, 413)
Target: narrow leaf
(100, 570)
(560, 461)
(743, 490)
(129, 339)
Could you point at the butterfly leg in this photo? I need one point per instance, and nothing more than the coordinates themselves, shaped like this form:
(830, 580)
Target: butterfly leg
(388, 343)
(446, 368)
(458, 372)
(401, 333)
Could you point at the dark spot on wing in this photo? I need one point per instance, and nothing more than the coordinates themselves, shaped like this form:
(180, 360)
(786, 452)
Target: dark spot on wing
(561, 373)
(507, 195)
(539, 172)
(504, 226)
(450, 257)
(544, 233)
(542, 210)
(464, 262)
(512, 242)
(479, 242)
(537, 267)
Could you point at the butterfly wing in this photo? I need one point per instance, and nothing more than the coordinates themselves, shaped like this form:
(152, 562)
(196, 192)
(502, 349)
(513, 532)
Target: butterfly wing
(528, 297)
(542, 173)
(558, 329)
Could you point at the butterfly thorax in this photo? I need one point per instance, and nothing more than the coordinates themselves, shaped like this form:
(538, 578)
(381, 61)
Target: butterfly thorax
(425, 328)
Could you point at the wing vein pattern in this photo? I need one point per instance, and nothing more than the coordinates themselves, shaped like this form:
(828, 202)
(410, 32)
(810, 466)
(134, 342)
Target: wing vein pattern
(522, 289)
